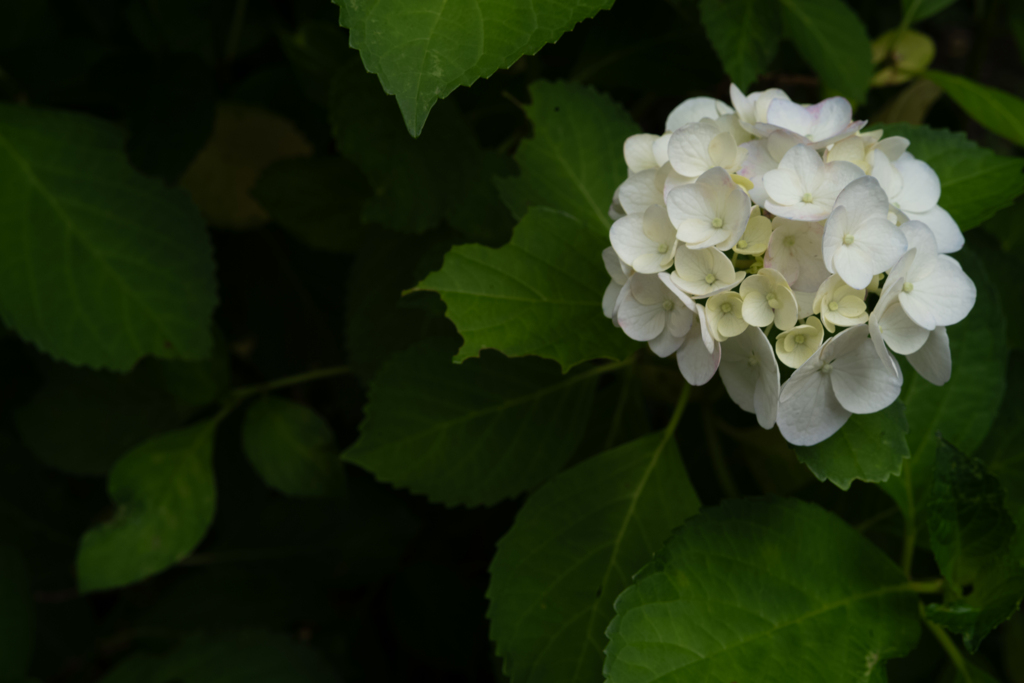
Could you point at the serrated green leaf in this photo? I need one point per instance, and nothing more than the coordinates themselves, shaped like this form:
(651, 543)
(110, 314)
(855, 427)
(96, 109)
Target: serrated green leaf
(422, 51)
(971, 535)
(833, 41)
(868, 447)
(574, 160)
(253, 657)
(101, 266)
(745, 35)
(80, 422)
(317, 199)
(762, 590)
(571, 551)
(919, 10)
(291, 447)
(165, 495)
(416, 183)
(538, 295)
(17, 615)
(976, 182)
(470, 434)
(995, 109)
(964, 409)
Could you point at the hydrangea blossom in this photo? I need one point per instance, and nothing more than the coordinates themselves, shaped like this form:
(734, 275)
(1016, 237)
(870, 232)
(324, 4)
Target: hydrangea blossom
(770, 232)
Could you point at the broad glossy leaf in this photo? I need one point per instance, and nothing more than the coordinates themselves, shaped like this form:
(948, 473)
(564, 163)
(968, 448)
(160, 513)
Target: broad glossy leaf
(165, 495)
(833, 41)
(919, 10)
(770, 589)
(101, 266)
(868, 447)
(574, 160)
(253, 657)
(995, 109)
(291, 447)
(423, 50)
(573, 548)
(538, 295)
(416, 183)
(976, 182)
(317, 199)
(17, 615)
(469, 434)
(81, 422)
(745, 35)
(1003, 448)
(971, 534)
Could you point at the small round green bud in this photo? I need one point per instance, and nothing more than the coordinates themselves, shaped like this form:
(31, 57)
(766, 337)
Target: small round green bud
(716, 222)
(833, 306)
(710, 278)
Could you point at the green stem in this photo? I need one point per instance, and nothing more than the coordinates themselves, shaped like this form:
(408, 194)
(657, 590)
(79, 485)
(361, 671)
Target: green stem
(620, 407)
(243, 393)
(235, 30)
(725, 480)
(876, 518)
(952, 651)
(673, 422)
(928, 585)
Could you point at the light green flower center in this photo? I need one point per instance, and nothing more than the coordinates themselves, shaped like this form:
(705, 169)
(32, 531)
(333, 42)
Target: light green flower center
(908, 287)
(799, 339)
(833, 306)
(668, 305)
(710, 278)
(848, 240)
(716, 222)
(807, 198)
(742, 244)
(726, 308)
(662, 248)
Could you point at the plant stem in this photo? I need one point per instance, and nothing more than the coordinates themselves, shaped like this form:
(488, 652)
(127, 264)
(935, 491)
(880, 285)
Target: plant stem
(952, 651)
(876, 518)
(245, 392)
(235, 30)
(677, 413)
(725, 480)
(928, 585)
(620, 407)
(909, 524)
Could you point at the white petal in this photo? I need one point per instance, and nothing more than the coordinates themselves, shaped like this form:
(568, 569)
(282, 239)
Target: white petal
(809, 412)
(639, 321)
(860, 379)
(696, 363)
(618, 271)
(628, 239)
(783, 187)
(933, 361)
(688, 148)
(806, 163)
(751, 375)
(893, 147)
(611, 293)
(791, 116)
(948, 237)
(694, 109)
(639, 191)
(944, 298)
(899, 332)
(665, 344)
(886, 174)
(639, 152)
(921, 186)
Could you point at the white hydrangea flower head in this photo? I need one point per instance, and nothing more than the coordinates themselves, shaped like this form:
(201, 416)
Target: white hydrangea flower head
(834, 237)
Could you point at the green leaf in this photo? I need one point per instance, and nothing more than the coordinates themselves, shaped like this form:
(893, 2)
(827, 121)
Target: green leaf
(919, 10)
(17, 615)
(964, 409)
(422, 51)
(253, 657)
(291, 447)
(571, 551)
(194, 384)
(976, 182)
(102, 266)
(317, 199)
(868, 447)
(977, 675)
(165, 495)
(833, 41)
(971, 536)
(574, 161)
(745, 35)
(416, 183)
(538, 295)
(1002, 449)
(995, 109)
(762, 590)
(80, 422)
(470, 434)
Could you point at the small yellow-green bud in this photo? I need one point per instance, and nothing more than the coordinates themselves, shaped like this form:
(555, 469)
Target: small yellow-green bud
(710, 278)
(716, 222)
(833, 306)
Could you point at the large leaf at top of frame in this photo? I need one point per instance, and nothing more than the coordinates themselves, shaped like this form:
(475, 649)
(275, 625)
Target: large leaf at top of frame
(833, 41)
(573, 548)
(976, 182)
(745, 35)
(964, 409)
(470, 434)
(538, 295)
(574, 160)
(99, 265)
(165, 495)
(971, 534)
(995, 109)
(422, 50)
(254, 657)
(774, 590)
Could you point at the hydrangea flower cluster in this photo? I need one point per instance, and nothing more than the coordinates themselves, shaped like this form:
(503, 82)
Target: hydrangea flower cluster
(769, 231)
